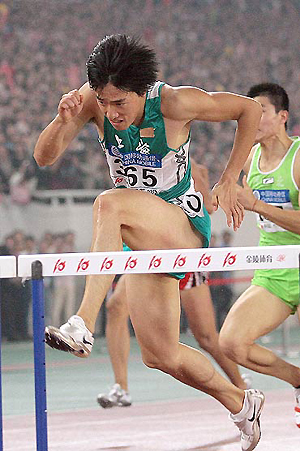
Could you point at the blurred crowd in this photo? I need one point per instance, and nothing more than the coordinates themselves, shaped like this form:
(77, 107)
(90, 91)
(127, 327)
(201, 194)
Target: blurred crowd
(60, 292)
(214, 44)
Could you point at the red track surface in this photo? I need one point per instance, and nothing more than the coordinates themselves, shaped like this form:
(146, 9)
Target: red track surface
(186, 425)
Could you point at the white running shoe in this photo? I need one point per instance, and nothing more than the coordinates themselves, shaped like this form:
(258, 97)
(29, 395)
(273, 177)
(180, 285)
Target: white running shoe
(297, 406)
(247, 378)
(247, 420)
(73, 337)
(116, 397)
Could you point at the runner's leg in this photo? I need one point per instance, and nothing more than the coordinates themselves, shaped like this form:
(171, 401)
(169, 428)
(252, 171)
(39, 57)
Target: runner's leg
(199, 310)
(256, 313)
(117, 333)
(154, 308)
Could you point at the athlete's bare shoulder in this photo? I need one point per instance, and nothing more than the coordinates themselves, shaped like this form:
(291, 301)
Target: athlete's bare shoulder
(177, 103)
(171, 98)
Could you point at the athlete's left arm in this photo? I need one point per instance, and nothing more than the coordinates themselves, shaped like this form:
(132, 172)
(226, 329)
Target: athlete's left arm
(188, 103)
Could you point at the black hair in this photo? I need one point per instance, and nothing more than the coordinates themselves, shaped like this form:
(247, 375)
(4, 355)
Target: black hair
(274, 92)
(124, 62)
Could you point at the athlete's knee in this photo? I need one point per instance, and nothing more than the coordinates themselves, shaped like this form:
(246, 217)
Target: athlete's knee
(116, 306)
(166, 362)
(233, 346)
(108, 204)
(207, 342)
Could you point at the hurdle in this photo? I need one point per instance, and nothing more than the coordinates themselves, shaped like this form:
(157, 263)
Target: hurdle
(38, 319)
(7, 269)
(134, 262)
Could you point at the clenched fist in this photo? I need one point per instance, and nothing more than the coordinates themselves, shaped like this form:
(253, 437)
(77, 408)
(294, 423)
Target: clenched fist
(70, 105)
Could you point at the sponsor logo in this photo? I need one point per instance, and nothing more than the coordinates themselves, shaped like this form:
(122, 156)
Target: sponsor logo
(143, 159)
(229, 260)
(119, 141)
(268, 181)
(259, 258)
(143, 148)
(205, 260)
(151, 191)
(180, 157)
(106, 264)
(113, 150)
(59, 266)
(119, 180)
(253, 416)
(281, 258)
(155, 262)
(179, 262)
(86, 342)
(83, 265)
(273, 196)
(130, 263)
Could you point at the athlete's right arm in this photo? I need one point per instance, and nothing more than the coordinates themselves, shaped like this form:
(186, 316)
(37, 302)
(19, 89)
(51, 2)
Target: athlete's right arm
(75, 109)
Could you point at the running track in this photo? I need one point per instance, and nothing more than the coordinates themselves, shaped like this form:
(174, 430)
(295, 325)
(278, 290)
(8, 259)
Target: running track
(182, 425)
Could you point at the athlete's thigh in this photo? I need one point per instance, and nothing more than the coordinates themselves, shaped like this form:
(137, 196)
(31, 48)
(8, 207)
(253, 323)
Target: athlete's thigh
(154, 307)
(199, 310)
(148, 222)
(255, 313)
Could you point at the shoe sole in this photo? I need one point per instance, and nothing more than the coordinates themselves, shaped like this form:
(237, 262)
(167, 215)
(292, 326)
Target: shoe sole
(55, 339)
(106, 404)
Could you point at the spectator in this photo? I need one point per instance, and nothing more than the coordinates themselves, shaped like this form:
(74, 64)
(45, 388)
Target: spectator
(22, 185)
(39, 53)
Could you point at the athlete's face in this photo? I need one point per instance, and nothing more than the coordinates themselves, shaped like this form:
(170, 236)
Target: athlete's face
(271, 123)
(121, 108)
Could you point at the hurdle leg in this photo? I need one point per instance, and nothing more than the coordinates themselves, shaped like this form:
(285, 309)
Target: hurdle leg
(38, 309)
(1, 419)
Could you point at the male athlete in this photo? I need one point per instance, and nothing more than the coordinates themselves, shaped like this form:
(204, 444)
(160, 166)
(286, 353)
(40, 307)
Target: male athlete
(272, 191)
(144, 129)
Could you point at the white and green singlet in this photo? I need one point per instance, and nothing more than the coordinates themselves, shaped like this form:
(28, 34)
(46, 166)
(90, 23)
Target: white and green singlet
(140, 158)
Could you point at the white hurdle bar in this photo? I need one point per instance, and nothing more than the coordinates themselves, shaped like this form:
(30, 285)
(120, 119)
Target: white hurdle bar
(8, 267)
(163, 261)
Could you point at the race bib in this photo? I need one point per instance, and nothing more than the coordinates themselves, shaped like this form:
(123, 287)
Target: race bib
(135, 170)
(191, 203)
(277, 198)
